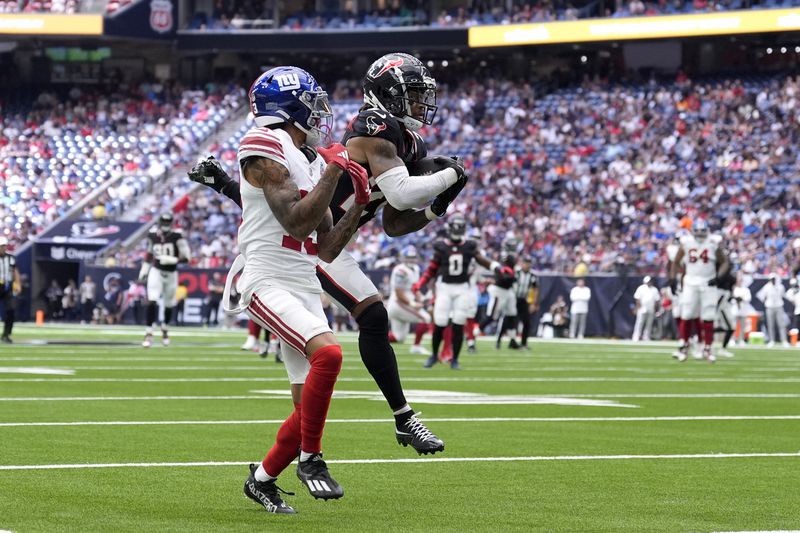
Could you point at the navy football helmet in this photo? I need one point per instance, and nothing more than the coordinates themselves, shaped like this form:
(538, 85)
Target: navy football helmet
(292, 95)
(165, 222)
(457, 227)
(396, 82)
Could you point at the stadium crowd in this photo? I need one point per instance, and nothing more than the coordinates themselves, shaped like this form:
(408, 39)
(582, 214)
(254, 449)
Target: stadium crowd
(240, 14)
(595, 176)
(59, 147)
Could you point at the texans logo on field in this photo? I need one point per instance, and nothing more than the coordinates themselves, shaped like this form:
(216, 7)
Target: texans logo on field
(161, 16)
(373, 127)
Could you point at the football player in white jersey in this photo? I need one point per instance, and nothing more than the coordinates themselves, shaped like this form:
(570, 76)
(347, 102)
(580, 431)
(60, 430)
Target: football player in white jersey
(399, 98)
(701, 261)
(404, 307)
(166, 248)
(286, 229)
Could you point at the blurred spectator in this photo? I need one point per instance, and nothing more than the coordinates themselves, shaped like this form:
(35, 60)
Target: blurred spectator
(53, 297)
(579, 297)
(793, 297)
(69, 301)
(771, 295)
(646, 300)
(88, 293)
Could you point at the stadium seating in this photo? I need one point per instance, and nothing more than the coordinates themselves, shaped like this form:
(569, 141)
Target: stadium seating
(59, 149)
(601, 174)
(238, 14)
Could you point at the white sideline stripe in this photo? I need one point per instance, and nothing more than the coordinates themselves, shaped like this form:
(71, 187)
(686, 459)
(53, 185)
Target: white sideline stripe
(771, 531)
(36, 370)
(384, 421)
(260, 397)
(431, 460)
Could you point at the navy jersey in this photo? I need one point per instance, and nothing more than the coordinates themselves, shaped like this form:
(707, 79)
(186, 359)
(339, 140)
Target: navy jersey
(375, 123)
(505, 277)
(169, 243)
(454, 259)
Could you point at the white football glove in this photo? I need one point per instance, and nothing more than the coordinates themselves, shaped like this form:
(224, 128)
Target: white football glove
(167, 260)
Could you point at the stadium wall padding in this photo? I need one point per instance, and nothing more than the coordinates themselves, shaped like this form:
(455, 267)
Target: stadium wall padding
(611, 309)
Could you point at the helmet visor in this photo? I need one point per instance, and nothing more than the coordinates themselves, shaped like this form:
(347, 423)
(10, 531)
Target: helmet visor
(320, 119)
(421, 100)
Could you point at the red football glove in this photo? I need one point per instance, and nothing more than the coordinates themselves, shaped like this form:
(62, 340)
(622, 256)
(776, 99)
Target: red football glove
(360, 182)
(335, 154)
(415, 288)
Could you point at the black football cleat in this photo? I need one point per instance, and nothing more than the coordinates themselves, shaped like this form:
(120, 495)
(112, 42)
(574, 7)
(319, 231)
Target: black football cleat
(455, 365)
(266, 493)
(513, 345)
(315, 476)
(430, 361)
(414, 432)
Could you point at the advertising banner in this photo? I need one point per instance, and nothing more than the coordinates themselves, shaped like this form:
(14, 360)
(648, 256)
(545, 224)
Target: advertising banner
(45, 24)
(656, 27)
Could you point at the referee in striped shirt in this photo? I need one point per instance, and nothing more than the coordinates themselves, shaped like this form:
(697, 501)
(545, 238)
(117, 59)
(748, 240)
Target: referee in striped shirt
(527, 292)
(9, 284)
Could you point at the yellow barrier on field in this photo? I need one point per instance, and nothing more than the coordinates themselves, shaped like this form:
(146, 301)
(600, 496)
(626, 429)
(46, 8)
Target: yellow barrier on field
(44, 24)
(655, 27)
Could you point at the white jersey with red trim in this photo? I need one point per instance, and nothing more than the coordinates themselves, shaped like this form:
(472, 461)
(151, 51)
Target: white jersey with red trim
(268, 249)
(403, 277)
(699, 259)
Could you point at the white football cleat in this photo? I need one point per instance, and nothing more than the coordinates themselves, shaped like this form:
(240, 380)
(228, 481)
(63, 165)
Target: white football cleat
(250, 343)
(416, 349)
(148, 340)
(681, 354)
(770, 344)
(722, 352)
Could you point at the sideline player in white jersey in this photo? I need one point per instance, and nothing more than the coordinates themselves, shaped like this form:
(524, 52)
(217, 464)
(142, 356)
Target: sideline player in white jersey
(701, 261)
(166, 248)
(286, 229)
(404, 307)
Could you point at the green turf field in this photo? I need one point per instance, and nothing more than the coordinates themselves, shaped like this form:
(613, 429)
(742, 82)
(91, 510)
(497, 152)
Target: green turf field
(567, 437)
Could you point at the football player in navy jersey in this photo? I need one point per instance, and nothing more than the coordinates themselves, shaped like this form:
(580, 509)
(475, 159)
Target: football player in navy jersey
(450, 267)
(166, 247)
(399, 98)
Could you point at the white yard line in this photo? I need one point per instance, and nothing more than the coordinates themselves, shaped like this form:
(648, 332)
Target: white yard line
(260, 397)
(384, 421)
(414, 460)
(434, 379)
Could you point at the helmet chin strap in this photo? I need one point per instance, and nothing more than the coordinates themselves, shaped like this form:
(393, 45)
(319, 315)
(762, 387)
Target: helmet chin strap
(408, 121)
(412, 123)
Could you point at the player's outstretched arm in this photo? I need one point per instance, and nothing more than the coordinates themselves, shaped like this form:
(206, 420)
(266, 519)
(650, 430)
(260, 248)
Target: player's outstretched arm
(211, 174)
(299, 216)
(401, 190)
(397, 222)
(487, 263)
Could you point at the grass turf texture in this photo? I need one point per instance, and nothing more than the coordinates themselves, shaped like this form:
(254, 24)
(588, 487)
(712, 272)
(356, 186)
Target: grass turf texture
(592, 494)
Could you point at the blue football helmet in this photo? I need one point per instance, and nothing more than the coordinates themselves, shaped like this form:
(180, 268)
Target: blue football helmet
(409, 255)
(292, 95)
